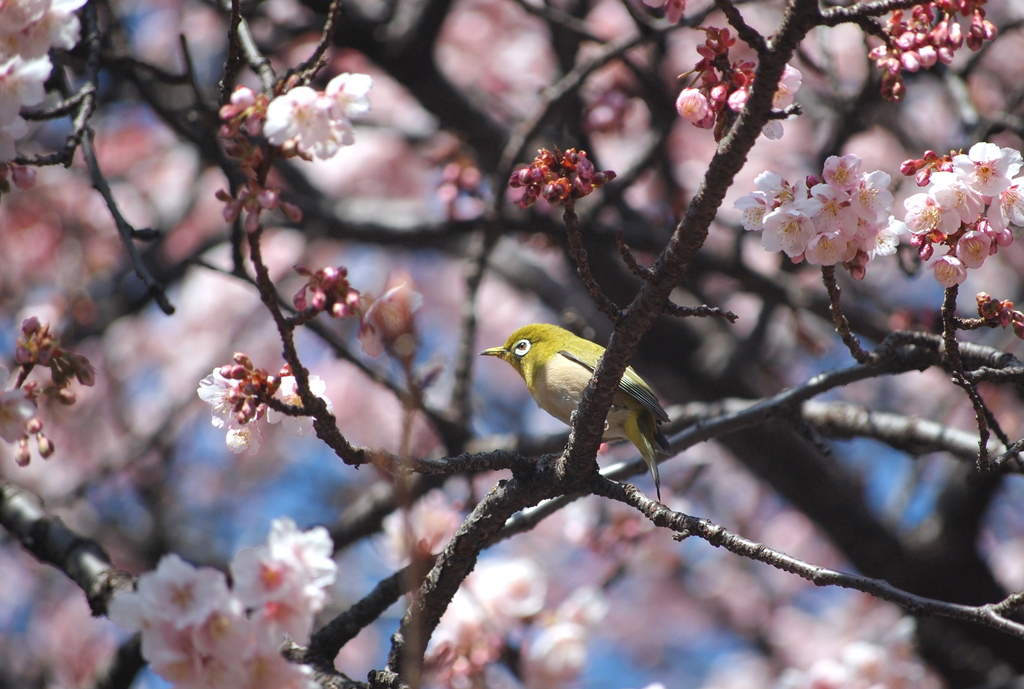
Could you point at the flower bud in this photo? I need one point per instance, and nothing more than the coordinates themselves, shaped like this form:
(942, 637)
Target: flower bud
(22, 456)
(45, 446)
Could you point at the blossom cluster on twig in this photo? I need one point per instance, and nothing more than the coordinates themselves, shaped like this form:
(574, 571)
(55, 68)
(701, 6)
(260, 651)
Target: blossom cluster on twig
(301, 122)
(28, 31)
(967, 209)
(721, 88)
(930, 35)
(843, 217)
(239, 394)
(197, 631)
(557, 176)
(19, 421)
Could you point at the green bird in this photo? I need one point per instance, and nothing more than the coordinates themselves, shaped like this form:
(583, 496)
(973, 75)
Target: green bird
(557, 366)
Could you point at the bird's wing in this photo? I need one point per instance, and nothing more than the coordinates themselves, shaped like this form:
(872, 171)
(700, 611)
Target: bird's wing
(631, 383)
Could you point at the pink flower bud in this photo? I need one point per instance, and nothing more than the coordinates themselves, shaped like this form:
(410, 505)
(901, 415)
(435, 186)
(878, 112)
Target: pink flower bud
(22, 456)
(925, 251)
(906, 40)
(45, 447)
(268, 198)
(928, 56)
(252, 222)
(30, 326)
(23, 177)
(291, 211)
(956, 36)
(909, 166)
(243, 97)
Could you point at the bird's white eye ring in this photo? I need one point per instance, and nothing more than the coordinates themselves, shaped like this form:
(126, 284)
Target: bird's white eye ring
(521, 348)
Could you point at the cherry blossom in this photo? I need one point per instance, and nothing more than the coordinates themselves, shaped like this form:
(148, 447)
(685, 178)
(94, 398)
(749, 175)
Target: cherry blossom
(297, 426)
(843, 219)
(987, 168)
(692, 105)
(196, 631)
(926, 215)
(949, 270)
(318, 122)
(387, 321)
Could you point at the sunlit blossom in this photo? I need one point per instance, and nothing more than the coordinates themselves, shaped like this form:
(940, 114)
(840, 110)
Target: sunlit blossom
(925, 215)
(788, 231)
(987, 168)
(315, 122)
(949, 270)
(297, 426)
(973, 248)
(387, 322)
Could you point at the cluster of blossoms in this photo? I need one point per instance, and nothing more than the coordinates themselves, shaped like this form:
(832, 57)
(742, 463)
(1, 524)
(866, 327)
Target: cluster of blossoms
(28, 31)
(932, 34)
(239, 392)
(889, 661)
(842, 218)
(302, 122)
(329, 290)
(1000, 312)
(557, 177)
(967, 209)
(500, 603)
(198, 632)
(722, 88)
(19, 422)
(387, 322)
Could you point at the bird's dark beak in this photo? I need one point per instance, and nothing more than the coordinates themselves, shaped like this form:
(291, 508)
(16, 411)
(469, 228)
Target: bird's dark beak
(494, 351)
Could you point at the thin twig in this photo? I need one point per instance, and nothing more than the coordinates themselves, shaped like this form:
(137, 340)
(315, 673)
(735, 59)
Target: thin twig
(952, 349)
(828, 276)
(128, 233)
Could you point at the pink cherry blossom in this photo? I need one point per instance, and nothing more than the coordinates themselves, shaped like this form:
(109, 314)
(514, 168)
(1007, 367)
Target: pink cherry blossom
(951, 191)
(973, 248)
(557, 655)
(1009, 207)
(387, 322)
(827, 248)
(789, 84)
(987, 168)
(349, 93)
(297, 426)
(925, 215)
(318, 123)
(949, 270)
(21, 84)
(509, 588)
(692, 105)
(832, 215)
(842, 172)
(870, 198)
(788, 231)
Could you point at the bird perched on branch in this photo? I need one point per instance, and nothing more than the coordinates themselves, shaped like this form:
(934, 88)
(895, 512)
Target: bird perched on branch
(557, 366)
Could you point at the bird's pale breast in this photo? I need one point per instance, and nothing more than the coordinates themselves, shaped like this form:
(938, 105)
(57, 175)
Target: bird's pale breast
(558, 387)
